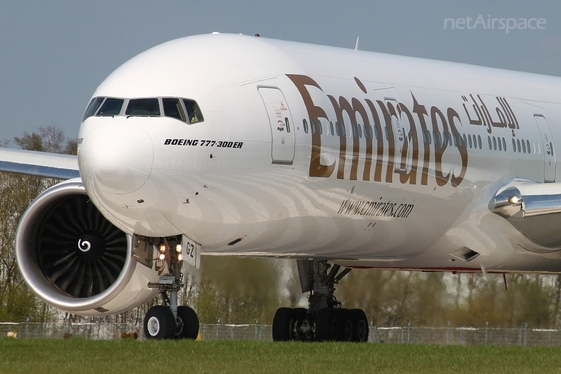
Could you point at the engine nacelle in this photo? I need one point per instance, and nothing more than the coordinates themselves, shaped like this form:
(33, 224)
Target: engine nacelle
(74, 259)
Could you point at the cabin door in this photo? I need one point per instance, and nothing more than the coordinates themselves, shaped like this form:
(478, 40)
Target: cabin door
(280, 120)
(548, 148)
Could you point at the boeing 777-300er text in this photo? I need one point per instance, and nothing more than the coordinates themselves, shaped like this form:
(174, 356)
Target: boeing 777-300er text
(238, 145)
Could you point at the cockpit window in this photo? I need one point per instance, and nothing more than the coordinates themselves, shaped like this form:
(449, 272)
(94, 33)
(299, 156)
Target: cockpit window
(110, 107)
(185, 110)
(93, 106)
(173, 108)
(143, 107)
(195, 114)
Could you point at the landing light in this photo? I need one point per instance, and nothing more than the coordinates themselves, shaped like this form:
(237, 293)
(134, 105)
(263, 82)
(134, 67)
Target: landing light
(514, 200)
(162, 256)
(178, 248)
(162, 248)
(180, 258)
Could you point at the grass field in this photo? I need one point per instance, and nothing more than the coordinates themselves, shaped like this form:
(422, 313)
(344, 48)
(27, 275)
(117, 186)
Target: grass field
(130, 356)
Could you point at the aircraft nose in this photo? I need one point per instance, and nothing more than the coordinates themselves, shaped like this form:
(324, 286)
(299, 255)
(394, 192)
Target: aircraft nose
(116, 157)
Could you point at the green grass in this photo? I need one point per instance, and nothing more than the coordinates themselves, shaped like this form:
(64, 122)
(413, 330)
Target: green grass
(129, 356)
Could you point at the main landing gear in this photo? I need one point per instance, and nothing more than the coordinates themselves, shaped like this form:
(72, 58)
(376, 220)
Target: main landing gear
(170, 321)
(324, 320)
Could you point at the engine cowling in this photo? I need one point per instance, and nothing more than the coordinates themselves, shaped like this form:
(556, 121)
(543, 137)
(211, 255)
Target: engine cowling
(74, 259)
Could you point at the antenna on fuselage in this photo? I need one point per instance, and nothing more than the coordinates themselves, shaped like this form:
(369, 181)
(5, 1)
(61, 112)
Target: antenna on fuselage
(356, 44)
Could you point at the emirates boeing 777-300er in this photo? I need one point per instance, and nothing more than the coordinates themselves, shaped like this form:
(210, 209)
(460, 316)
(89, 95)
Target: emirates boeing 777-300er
(227, 144)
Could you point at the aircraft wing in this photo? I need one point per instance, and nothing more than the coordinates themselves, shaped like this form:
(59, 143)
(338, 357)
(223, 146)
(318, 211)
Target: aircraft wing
(41, 164)
(532, 208)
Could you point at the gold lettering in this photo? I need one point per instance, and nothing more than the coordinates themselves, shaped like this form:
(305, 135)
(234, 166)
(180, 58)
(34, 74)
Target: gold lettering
(421, 112)
(342, 137)
(462, 147)
(400, 126)
(410, 138)
(440, 145)
(352, 110)
(314, 112)
(379, 144)
(388, 112)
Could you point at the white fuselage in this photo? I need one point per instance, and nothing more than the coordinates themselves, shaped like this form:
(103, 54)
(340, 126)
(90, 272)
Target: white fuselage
(310, 151)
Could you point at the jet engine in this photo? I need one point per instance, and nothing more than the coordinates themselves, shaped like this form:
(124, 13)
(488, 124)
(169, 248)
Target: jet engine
(74, 259)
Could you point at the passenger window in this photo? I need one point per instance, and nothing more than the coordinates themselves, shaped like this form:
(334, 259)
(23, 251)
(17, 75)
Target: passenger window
(514, 145)
(331, 127)
(320, 127)
(287, 124)
(93, 106)
(110, 107)
(528, 144)
(479, 141)
(305, 125)
(337, 128)
(143, 107)
(504, 144)
(174, 108)
(193, 110)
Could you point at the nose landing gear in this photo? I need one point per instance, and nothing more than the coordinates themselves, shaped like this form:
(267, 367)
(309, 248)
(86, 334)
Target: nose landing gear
(161, 323)
(170, 321)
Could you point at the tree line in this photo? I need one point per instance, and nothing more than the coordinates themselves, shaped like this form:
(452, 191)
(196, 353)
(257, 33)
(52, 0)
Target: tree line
(245, 290)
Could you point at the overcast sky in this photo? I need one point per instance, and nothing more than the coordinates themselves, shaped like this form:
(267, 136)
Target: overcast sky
(53, 54)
